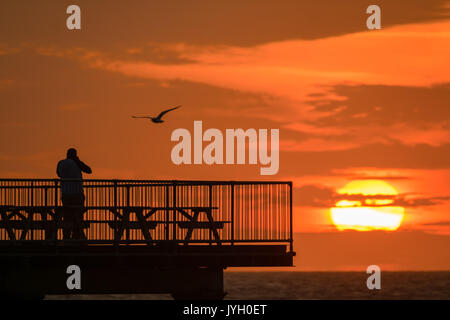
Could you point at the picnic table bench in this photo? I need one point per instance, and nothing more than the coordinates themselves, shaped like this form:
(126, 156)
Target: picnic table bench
(22, 218)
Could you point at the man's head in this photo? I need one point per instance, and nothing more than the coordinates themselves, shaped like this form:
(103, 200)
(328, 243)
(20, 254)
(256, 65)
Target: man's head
(71, 153)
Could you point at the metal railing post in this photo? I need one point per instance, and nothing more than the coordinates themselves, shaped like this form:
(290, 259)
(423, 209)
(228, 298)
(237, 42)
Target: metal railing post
(128, 214)
(31, 213)
(115, 214)
(167, 214)
(174, 212)
(291, 240)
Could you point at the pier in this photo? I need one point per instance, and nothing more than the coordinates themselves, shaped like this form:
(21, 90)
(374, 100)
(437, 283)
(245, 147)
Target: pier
(141, 236)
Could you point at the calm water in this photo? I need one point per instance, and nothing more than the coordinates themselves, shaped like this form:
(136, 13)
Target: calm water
(319, 285)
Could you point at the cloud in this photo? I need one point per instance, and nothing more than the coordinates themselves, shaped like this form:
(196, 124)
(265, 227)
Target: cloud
(376, 88)
(352, 108)
(5, 49)
(326, 197)
(411, 115)
(439, 223)
(421, 202)
(231, 23)
(393, 57)
(315, 145)
(314, 196)
(73, 106)
(379, 155)
(5, 83)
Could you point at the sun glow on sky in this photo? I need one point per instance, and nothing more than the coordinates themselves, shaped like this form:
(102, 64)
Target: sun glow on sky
(366, 209)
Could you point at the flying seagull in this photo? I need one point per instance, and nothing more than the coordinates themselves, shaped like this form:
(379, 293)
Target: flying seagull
(158, 119)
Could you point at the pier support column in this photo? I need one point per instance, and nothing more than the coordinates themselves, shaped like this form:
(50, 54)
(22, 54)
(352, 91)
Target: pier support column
(18, 280)
(200, 284)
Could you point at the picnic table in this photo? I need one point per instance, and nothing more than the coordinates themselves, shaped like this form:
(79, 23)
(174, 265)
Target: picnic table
(13, 218)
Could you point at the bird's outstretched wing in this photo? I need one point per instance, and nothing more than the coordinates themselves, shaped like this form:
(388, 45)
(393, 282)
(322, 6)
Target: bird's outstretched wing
(165, 111)
(135, 117)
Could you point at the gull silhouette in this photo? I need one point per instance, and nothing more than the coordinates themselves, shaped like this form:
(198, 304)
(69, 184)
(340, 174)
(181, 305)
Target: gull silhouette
(157, 119)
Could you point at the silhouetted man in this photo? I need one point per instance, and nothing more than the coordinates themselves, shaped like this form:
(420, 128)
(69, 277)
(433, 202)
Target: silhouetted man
(72, 194)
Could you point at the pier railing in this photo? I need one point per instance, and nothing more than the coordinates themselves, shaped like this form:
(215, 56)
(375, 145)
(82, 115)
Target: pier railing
(144, 211)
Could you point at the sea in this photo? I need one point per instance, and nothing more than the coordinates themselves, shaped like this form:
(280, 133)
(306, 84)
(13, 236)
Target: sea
(313, 286)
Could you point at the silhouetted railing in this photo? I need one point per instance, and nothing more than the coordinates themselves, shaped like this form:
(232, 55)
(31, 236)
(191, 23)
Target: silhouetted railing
(143, 211)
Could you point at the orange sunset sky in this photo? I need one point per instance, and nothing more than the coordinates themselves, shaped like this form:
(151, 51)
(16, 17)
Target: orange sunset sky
(350, 103)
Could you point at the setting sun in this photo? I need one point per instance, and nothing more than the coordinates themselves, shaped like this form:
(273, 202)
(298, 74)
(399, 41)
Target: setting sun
(367, 207)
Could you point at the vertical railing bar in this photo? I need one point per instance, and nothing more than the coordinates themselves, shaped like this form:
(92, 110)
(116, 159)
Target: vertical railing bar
(232, 213)
(269, 204)
(167, 214)
(115, 210)
(56, 205)
(210, 205)
(30, 213)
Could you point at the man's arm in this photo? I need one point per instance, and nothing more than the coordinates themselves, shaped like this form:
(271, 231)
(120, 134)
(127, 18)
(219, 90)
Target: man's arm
(83, 167)
(58, 169)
